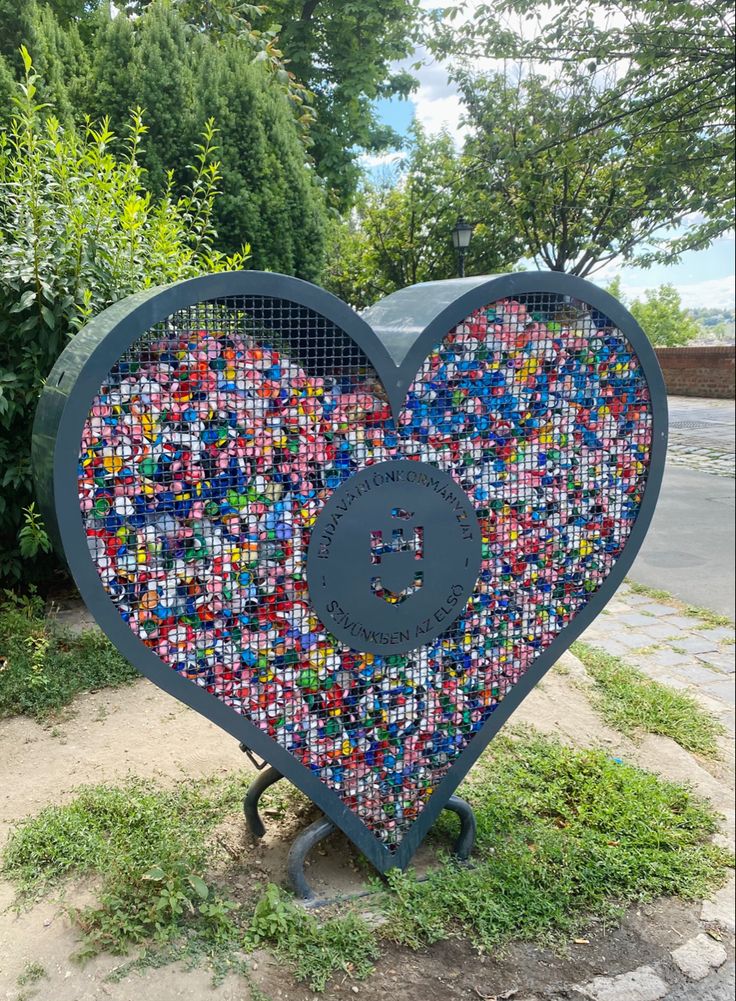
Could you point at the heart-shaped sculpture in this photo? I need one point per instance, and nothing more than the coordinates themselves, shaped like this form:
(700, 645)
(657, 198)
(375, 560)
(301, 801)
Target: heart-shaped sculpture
(354, 543)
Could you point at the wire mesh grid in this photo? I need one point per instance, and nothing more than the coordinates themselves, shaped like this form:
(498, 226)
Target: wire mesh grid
(219, 435)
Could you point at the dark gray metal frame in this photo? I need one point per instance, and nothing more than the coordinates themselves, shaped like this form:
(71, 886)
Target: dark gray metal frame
(396, 335)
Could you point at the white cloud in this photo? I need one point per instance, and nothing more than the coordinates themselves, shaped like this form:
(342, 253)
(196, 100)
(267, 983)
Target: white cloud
(436, 102)
(440, 113)
(374, 161)
(716, 293)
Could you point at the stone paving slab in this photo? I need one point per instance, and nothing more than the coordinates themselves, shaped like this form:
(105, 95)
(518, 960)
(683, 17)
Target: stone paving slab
(685, 623)
(723, 691)
(697, 645)
(699, 956)
(661, 630)
(633, 639)
(686, 651)
(634, 618)
(719, 634)
(701, 434)
(721, 660)
(693, 675)
(721, 908)
(642, 984)
(612, 647)
(666, 656)
(656, 608)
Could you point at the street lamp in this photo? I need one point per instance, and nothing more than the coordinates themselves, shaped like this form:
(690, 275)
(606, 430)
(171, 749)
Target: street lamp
(461, 236)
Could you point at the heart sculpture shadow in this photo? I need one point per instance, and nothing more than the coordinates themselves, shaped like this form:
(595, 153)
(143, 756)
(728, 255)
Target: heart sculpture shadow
(354, 543)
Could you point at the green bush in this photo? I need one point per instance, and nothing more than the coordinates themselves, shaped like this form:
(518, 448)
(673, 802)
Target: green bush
(663, 319)
(78, 230)
(184, 63)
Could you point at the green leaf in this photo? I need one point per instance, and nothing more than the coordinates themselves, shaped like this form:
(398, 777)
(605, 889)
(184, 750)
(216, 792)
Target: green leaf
(49, 317)
(26, 300)
(155, 873)
(199, 886)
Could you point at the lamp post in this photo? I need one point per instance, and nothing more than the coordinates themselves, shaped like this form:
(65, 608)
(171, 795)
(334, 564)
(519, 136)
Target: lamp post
(461, 236)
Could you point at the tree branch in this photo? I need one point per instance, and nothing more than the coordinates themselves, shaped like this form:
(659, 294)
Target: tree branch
(308, 10)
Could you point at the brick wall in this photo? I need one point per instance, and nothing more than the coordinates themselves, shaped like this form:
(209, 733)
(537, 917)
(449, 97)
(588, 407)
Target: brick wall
(699, 371)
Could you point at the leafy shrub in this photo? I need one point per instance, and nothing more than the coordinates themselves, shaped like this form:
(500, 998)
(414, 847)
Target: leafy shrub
(78, 230)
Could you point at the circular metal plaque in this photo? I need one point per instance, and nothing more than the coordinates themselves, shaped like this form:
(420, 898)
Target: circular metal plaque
(393, 557)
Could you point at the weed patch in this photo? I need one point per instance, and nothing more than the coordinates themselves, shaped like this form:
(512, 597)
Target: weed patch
(315, 950)
(632, 702)
(43, 667)
(116, 831)
(655, 593)
(31, 974)
(708, 619)
(564, 836)
(153, 851)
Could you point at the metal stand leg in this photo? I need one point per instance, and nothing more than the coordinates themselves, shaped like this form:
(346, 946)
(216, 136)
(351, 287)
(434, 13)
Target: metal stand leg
(303, 844)
(250, 803)
(322, 828)
(466, 838)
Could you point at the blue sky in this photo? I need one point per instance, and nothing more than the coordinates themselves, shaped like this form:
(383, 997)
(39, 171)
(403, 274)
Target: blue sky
(703, 278)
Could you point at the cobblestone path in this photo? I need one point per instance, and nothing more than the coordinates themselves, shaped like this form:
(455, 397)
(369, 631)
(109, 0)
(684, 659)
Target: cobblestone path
(702, 434)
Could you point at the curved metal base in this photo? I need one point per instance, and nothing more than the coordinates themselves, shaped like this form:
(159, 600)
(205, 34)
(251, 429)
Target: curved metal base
(305, 841)
(250, 803)
(466, 838)
(322, 828)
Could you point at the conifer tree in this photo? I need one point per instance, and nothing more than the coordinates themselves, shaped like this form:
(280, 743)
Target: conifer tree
(181, 76)
(269, 198)
(163, 85)
(112, 86)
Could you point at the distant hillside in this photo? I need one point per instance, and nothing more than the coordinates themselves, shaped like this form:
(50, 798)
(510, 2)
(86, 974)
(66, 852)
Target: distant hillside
(718, 325)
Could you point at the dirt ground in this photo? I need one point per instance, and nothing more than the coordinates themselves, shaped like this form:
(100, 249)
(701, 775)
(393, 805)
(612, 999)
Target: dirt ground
(110, 735)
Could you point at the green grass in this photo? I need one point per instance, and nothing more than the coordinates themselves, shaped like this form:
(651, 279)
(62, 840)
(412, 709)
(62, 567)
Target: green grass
(314, 949)
(42, 667)
(564, 837)
(149, 851)
(116, 831)
(152, 852)
(633, 703)
(708, 619)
